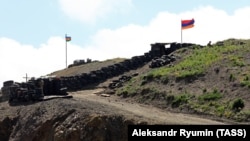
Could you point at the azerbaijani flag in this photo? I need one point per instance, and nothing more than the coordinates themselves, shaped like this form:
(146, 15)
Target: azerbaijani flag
(67, 38)
(186, 24)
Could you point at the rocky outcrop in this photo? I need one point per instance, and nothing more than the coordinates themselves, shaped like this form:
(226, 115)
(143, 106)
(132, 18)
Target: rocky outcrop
(6, 127)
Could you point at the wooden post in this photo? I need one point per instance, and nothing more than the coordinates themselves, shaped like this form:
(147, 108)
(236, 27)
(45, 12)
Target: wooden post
(26, 77)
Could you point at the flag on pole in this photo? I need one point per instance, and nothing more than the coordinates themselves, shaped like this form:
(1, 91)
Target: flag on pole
(186, 24)
(67, 38)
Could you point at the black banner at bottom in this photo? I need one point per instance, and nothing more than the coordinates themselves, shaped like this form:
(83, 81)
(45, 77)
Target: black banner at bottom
(189, 132)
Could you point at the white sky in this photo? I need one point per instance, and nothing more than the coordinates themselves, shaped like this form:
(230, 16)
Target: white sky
(107, 41)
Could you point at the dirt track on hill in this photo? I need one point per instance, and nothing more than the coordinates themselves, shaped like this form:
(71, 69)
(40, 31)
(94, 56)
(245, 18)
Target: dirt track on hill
(145, 112)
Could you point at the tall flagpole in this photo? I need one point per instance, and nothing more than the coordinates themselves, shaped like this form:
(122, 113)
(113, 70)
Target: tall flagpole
(185, 24)
(66, 49)
(181, 33)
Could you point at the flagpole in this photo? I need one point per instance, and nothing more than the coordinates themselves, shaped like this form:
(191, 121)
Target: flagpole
(181, 33)
(66, 49)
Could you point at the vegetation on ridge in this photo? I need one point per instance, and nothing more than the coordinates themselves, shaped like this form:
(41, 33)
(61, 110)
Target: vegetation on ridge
(199, 60)
(223, 94)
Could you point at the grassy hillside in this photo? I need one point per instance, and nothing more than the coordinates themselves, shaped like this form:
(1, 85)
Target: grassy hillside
(212, 80)
(86, 68)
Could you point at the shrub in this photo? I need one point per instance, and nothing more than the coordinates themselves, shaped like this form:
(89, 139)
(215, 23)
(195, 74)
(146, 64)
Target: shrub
(210, 96)
(238, 104)
(204, 90)
(231, 77)
(165, 79)
(180, 99)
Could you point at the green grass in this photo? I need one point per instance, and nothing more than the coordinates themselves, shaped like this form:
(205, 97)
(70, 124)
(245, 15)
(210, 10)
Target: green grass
(245, 81)
(242, 116)
(130, 89)
(215, 95)
(198, 61)
(180, 99)
(237, 61)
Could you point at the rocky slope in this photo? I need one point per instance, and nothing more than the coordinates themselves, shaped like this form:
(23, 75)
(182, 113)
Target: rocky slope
(62, 120)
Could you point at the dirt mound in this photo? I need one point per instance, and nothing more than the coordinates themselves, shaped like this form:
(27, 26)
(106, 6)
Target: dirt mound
(62, 120)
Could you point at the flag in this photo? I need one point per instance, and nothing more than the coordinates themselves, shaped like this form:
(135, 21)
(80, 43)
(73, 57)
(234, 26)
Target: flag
(67, 38)
(186, 24)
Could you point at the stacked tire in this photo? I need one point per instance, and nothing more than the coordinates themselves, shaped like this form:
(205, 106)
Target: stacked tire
(6, 90)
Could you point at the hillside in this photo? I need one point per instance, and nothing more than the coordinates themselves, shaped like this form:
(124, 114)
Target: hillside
(87, 116)
(192, 83)
(85, 68)
(211, 80)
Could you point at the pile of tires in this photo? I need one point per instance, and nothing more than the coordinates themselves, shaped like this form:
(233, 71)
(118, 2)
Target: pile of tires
(119, 82)
(21, 92)
(33, 90)
(162, 61)
(158, 55)
(6, 89)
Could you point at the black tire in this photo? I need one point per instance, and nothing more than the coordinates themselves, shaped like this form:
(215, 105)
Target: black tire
(27, 98)
(8, 83)
(10, 100)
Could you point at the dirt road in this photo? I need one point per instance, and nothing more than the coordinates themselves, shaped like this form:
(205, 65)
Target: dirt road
(145, 112)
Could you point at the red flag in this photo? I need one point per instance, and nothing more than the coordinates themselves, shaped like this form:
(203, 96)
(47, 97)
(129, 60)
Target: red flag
(185, 24)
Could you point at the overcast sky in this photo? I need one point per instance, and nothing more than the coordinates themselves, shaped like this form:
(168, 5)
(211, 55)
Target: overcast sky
(32, 32)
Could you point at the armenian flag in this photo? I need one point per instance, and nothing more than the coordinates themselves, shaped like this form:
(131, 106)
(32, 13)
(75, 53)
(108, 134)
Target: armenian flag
(186, 24)
(67, 38)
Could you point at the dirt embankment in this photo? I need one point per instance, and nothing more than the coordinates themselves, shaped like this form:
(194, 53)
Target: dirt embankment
(87, 116)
